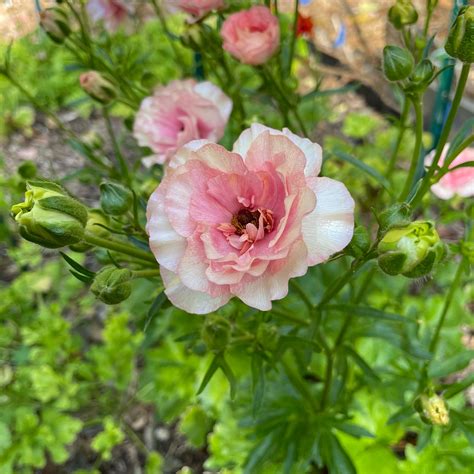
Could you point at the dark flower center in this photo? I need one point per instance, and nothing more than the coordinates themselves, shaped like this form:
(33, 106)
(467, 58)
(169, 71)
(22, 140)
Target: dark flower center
(243, 217)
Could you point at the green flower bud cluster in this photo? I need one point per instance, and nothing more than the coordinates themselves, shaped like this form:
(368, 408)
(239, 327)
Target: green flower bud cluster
(115, 199)
(49, 216)
(403, 13)
(55, 22)
(216, 333)
(112, 285)
(360, 242)
(432, 410)
(411, 250)
(460, 42)
(96, 219)
(268, 336)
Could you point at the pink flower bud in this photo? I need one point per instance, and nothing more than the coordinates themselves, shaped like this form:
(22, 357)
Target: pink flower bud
(252, 36)
(97, 86)
(55, 23)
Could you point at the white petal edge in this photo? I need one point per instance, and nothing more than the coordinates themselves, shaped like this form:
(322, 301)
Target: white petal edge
(312, 151)
(330, 226)
(211, 92)
(191, 301)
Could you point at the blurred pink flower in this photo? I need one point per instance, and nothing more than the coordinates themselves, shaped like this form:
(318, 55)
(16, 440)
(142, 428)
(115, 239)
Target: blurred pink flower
(112, 12)
(252, 36)
(178, 113)
(197, 8)
(242, 223)
(460, 181)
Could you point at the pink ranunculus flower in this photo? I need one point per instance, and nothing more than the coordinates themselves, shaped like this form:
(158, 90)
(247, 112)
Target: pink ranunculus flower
(460, 181)
(197, 8)
(112, 12)
(252, 36)
(178, 113)
(242, 223)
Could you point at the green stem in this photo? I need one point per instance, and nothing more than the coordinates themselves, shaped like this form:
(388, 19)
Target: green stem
(289, 317)
(119, 247)
(146, 273)
(118, 153)
(444, 135)
(293, 37)
(298, 383)
(297, 287)
(327, 381)
(447, 303)
(417, 105)
(401, 132)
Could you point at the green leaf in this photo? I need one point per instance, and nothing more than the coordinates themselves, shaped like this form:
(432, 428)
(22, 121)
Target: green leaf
(362, 364)
(364, 167)
(402, 414)
(155, 308)
(215, 364)
(466, 130)
(5, 437)
(225, 367)
(77, 266)
(440, 368)
(458, 387)
(258, 382)
(334, 455)
(369, 312)
(353, 430)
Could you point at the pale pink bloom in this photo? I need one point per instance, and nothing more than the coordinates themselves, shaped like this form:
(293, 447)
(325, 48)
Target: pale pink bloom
(178, 113)
(242, 223)
(197, 8)
(460, 181)
(112, 12)
(252, 36)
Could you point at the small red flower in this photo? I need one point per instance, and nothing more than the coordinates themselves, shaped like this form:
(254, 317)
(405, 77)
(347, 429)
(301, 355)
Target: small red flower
(304, 26)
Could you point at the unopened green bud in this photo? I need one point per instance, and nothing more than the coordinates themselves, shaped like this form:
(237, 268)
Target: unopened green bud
(411, 250)
(402, 13)
(216, 333)
(268, 336)
(98, 86)
(397, 215)
(49, 216)
(432, 410)
(115, 199)
(112, 285)
(55, 22)
(360, 242)
(423, 74)
(397, 63)
(460, 42)
(27, 170)
(96, 219)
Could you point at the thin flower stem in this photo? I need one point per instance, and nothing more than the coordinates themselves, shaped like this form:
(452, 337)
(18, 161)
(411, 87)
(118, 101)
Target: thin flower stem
(447, 303)
(298, 383)
(444, 135)
(293, 36)
(417, 105)
(327, 381)
(297, 287)
(401, 132)
(120, 247)
(146, 273)
(289, 317)
(118, 153)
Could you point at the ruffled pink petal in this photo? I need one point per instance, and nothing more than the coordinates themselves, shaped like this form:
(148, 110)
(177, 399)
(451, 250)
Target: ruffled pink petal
(167, 245)
(212, 93)
(330, 226)
(182, 297)
(312, 151)
(273, 284)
